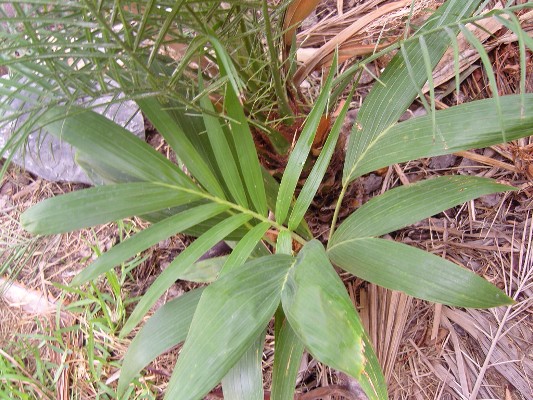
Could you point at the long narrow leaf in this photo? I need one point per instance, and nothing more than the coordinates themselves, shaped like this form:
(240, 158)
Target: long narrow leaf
(301, 150)
(100, 205)
(244, 248)
(97, 136)
(467, 126)
(245, 380)
(387, 102)
(165, 329)
(147, 238)
(287, 359)
(180, 143)
(245, 147)
(180, 265)
(231, 314)
(223, 154)
(406, 205)
(312, 182)
(397, 266)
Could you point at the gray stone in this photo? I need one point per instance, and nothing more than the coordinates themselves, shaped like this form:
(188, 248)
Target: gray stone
(442, 162)
(53, 160)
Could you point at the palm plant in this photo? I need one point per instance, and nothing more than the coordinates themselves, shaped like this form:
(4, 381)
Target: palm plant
(276, 269)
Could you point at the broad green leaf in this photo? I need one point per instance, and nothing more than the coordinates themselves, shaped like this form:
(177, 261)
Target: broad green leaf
(231, 314)
(181, 265)
(321, 313)
(386, 102)
(165, 329)
(244, 248)
(245, 147)
(223, 154)
(287, 359)
(245, 380)
(406, 205)
(299, 154)
(180, 143)
(418, 273)
(312, 182)
(467, 126)
(147, 238)
(101, 204)
(96, 136)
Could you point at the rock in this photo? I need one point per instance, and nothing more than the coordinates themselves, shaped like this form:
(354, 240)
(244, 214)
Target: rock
(441, 162)
(372, 183)
(48, 157)
(491, 200)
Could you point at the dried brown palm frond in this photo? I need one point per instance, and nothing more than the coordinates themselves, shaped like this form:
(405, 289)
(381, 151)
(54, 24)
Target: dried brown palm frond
(367, 27)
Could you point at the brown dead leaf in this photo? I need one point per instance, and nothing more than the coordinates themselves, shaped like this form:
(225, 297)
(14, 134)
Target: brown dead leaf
(297, 11)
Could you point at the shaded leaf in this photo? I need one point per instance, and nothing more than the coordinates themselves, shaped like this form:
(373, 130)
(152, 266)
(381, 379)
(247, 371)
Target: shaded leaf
(245, 380)
(312, 182)
(245, 147)
(299, 154)
(418, 273)
(96, 136)
(245, 248)
(180, 143)
(287, 359)
(223, 154)
(205, 271)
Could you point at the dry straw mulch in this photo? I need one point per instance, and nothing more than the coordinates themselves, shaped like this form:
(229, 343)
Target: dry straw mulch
(427, 351)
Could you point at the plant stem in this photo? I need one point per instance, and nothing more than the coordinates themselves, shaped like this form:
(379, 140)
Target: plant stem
(236, 207)
(281, 93)
(337, 210)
